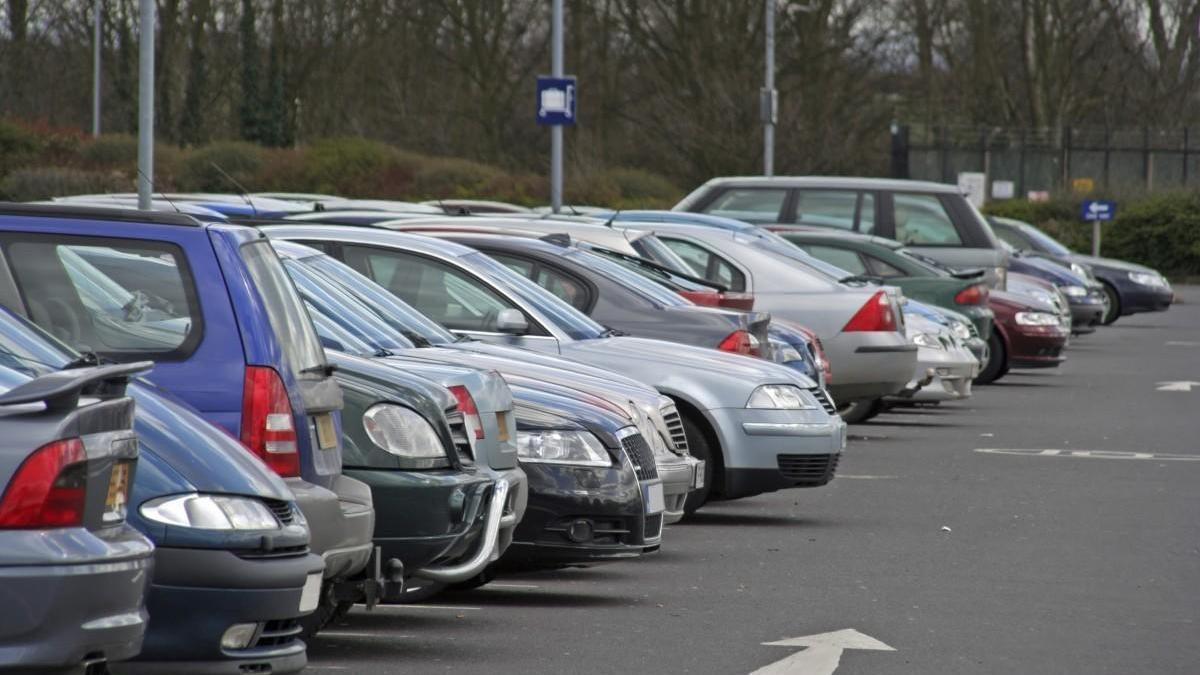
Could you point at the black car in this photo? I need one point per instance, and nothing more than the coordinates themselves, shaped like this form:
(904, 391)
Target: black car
(1131, 289)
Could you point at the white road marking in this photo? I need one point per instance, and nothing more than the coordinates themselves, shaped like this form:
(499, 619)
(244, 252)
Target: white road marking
(1182, 343)
(1182, 385)
(348, 634)
(823, 652)
(519, 586)
(455, 608)
(1091, 454)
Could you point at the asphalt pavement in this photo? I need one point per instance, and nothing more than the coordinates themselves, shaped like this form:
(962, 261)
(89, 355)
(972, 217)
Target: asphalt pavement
(1048, 525)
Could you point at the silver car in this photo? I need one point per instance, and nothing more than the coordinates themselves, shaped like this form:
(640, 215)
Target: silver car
(945, 367)
(759, 426)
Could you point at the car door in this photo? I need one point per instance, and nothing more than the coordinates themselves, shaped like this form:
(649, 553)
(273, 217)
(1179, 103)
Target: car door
(447, 293)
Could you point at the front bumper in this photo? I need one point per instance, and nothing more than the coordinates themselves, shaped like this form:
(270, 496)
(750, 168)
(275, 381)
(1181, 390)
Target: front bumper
(764, 449)
(678, 477)
(1087, 313)
(1136, 298)
(869, 365)
(582, 515)
(341, 522)
(1037, 346)
(260, 588)
(58, 615)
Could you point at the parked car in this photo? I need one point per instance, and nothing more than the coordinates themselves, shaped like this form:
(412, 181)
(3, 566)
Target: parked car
(887, 260)
(931, 218)
(233, 574)
(225, 204)
(946, 366)
(860, 325)
(73, 571)
(235, 343)
(757, 425)
(656, 416)
(1028, 333)
(348, 216)
(1044, 291)
(619, 299)
(1130, 288)
(1086, 299)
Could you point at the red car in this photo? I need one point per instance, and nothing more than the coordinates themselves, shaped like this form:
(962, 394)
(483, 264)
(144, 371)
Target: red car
(1028, 333)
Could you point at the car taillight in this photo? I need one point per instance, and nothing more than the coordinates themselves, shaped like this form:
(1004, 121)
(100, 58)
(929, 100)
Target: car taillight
(268, 428)
(49, 489)
(877, 314)
(972, 295)
(703, 298)
(741, 342)
(466, 405)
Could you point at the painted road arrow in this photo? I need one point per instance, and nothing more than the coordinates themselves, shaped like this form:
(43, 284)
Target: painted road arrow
(822, 654)
(1185, 385)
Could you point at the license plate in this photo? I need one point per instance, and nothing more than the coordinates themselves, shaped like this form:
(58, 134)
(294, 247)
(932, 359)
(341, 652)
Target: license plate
(311, 595)
(698, 479)
(326, 431)
(117, 500)
(652, 497)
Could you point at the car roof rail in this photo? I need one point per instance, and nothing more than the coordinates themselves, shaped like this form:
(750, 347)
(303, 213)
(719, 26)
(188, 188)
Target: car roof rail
(251, 221)
(117, 213)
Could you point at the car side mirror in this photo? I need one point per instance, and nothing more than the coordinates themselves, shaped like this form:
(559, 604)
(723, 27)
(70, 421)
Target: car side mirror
(511, 321)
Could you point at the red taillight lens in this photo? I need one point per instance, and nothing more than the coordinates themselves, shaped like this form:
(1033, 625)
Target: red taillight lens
(876, 315)
(49, 490)
(268, 428)
(972, 295)
(466, 405)
(703, 298)
(741, 342)
(742, 301)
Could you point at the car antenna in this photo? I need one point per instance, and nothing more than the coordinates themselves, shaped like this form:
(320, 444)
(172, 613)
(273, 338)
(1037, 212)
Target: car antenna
(160, 194)
(242, 191)
(608, 223)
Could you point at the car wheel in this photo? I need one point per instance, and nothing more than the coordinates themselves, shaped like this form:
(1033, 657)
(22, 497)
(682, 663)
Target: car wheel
(328, 609)
(1114, 305)
(699, 448)
(860, 411)
(997, 364)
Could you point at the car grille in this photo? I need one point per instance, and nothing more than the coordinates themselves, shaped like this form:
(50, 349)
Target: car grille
(641, 455)
(823, 397)
(653, 527)
(277, 633)
(808, 469)
(282, 510)
(461, 437)
(675, 428)
(281, 552)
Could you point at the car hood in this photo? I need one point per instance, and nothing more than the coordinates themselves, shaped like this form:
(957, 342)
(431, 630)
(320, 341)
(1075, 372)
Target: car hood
(183, 452)
(1046, 269)
(1111, 263)
(632, 354)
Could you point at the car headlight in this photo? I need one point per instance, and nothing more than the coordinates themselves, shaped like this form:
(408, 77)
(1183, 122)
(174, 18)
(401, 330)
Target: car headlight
(961, 330)
(562, 446)
(1148, 279)
(927, 340)
(783, 352)
(1036, 319)
(1082, 270)
(782, 397)
(210, 512)
(1074, 291)
(402, 432)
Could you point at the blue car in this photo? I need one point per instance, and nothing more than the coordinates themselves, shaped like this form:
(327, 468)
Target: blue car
(229, 336)
(232, 570)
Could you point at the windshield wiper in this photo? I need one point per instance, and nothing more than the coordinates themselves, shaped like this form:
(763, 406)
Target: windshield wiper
(382, 353)
(86, 359)
(463, 338)
(418, 340)
(861, 279)
(612, 332)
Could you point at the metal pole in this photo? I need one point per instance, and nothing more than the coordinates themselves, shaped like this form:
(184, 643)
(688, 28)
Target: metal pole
(146, 22)
(1095, 238)
(556, 131)
(97, 6)
(768, 99)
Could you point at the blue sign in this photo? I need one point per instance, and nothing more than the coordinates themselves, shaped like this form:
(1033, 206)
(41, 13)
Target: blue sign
(556, 101)
(1093, 210)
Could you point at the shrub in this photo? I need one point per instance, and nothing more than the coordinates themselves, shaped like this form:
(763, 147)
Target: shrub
(111, 152)
(240, 160)
(45, 182)
(446, 178)
(356, 167)
(643, 188)
(18, 147)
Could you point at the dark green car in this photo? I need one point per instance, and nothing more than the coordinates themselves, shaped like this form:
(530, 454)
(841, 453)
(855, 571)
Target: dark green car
(888, 261)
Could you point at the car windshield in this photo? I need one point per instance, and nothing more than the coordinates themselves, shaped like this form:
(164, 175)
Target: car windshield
(780, 246)
(565, 317)
(633, 281)
(388, 306)
(1045, 242)
(652, 248)
(285, 311)
(344, 310)
(28, 349)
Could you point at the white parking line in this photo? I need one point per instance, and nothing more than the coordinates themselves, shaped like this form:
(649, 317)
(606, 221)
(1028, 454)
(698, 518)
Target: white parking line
(347, 634)
(518, 586)
(453, 608)
(1091, 454)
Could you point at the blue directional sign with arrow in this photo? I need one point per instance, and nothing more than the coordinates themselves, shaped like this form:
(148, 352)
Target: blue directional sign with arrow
(1096, 210)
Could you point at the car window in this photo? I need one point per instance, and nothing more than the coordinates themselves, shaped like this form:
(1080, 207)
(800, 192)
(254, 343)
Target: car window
(329, 299)
(638, 283)
(1045, 242)
(706, 264)
(843, 258)
(652, 248)
(866, 214)
(562, 286)
(1012, 237)
(826, 208)
(753, 205)
(882, 269)
(922, 220)
(440, 291)
(574, 323)
(148, 310)
(289, 319)
(518, 265)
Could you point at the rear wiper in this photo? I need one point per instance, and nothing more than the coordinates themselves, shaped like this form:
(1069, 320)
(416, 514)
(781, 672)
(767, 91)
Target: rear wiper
(326, 370)
(86, 359)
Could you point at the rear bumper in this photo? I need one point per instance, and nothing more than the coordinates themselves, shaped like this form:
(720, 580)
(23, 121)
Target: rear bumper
(56, 615)
(753, 440)
(230, 589)
(869, 365)
(341, 523)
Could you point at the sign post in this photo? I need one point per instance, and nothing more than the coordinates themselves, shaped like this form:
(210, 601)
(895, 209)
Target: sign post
(1096, 212)
(146, 25)
(556, 104)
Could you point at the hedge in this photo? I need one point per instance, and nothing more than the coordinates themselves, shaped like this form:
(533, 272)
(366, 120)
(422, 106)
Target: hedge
(1161, 231)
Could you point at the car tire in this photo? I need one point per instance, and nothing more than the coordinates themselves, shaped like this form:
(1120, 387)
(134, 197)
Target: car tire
(1114, 305)
(699, 448)
(997, 364)
(861, 411)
